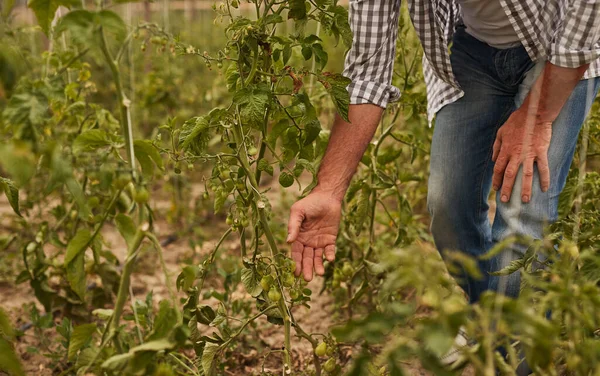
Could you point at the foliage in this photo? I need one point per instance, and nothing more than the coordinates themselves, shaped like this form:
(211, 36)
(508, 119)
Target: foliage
(83, 149)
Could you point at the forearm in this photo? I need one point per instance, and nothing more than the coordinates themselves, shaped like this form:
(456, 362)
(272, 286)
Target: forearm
(551, 91)
(347, 144)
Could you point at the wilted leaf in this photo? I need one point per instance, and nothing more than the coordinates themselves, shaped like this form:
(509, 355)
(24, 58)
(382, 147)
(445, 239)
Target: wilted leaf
(250, 281)
(194, 135)
(208, 357)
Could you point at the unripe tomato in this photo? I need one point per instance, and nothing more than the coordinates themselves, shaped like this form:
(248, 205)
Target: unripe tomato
(245, 222)
(290, 265)
(219, 65)
(122, 181)
(252, 150)
(141, 196)
(274, 295)
(347, 269)
(93, 202)
(329, 365)
(229, 220)
(266, 282)
(294, 294)
(288, 280)
(321, 349)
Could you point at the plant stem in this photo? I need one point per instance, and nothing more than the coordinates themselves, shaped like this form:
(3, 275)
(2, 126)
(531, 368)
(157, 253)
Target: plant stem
(243, 156)
(124, 103)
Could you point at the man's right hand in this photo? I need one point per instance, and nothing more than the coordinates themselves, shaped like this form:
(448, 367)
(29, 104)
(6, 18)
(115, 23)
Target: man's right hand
(312, 230)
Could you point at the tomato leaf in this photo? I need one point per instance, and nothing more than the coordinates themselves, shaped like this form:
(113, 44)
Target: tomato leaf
(80, 337)
(148, 156)
(11, 192)
(45, 10)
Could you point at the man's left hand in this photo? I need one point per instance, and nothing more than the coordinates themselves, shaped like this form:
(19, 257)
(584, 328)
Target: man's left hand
(522, 140)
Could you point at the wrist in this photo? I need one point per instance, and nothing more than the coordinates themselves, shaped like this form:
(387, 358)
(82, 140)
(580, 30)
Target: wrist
(334, 192)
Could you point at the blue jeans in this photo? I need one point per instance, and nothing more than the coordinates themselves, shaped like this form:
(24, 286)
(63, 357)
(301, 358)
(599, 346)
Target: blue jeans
(495, 83)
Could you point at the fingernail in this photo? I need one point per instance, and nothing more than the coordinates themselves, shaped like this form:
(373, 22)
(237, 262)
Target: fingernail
(525, 198)
(504, 198)
(288, 238)
(495, 187)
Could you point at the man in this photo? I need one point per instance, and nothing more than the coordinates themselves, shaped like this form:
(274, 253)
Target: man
(509, 100)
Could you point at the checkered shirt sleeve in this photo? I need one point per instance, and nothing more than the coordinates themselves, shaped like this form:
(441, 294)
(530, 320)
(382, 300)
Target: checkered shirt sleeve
(577, 41)
(370, 61)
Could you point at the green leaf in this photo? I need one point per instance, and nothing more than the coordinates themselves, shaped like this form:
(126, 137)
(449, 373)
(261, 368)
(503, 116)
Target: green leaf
(148, 156)
(80, 336)
(9, 362)
(77, 245)
(5, 326)
(253, 102)
(12, 193)
(76, 275)
(84, 24)
(112, 24)
(45, 9)
(117, 362)
(126, 227)
(250, 281)
(75, 261)
(26, 108)
(92, 140)
(208, 357)
(165, 320)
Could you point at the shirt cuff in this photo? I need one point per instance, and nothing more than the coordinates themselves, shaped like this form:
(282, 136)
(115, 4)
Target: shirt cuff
(376, 93)
(573, 58)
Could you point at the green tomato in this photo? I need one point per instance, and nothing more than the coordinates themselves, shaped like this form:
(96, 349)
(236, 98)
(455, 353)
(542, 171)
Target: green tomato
(122, 181)
(219, 65)
(288, 280)
(229, 220)
(252, 150)
(141, 196)
(347, 269)
(245, 222)
(274, 295)
(290, 265)
(329, 365)
(294, 294)
(266, 282)
(286, 179)
(321, 349)
(93, 202)
(335, 283)
(330, 350)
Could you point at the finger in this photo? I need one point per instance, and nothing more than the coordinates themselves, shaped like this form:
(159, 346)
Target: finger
(497, 147)
(294, 223)
(319, 269)
(307, 263)
(510, 174)
(544, 170)
(297, 250)
(330, 253)
(499, 167)
(527, 180)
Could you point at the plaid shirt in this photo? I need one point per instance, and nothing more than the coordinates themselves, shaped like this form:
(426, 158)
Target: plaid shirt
(564, 32)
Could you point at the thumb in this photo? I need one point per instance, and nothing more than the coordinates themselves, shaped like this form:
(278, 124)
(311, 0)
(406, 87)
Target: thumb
(294, 223)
